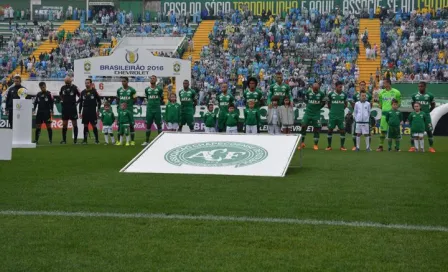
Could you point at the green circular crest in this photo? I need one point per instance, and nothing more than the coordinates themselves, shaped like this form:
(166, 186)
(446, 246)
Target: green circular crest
(216, 154)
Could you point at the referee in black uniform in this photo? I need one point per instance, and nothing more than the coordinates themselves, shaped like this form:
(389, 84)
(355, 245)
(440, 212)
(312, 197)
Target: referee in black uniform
(44, 102)
(11, 94)
(68, 95)
(89, 107)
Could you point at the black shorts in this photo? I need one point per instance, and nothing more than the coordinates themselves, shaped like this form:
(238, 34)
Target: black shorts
(89, 117)
(43, 117)
(69, 113)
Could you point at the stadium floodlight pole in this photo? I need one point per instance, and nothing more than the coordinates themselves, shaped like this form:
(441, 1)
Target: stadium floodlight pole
(87, 11)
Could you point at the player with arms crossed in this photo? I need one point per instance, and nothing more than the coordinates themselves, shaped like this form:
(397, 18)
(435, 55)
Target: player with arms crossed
(337, 102)
(128, 95)
(188, 101)
(224, 99)
(314, 103)
(427, 103)
(44, 101)
(89, 107)
(68, 95)
(154, 97)
(356, 98)
(385, 99)
(279, 89)
(362, 117)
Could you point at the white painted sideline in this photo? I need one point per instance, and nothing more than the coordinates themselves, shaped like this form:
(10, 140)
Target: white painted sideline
(292, 221)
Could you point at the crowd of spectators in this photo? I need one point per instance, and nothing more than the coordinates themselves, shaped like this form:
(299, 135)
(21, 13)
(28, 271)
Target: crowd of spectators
(415, 47)
(305, 46)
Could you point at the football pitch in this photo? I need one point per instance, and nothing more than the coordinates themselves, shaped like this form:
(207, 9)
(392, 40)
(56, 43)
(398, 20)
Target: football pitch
(67, 208)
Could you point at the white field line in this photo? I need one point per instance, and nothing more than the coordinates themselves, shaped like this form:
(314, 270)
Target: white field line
(227, 219)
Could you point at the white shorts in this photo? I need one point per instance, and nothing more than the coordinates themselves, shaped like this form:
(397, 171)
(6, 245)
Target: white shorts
(108, 129)
(232, 130)
(172, 126)
(419, 135)
(251, 129)
(210, 130)
(273, 129)
(362, 129)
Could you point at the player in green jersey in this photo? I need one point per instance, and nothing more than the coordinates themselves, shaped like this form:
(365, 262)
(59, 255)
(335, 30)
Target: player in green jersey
(107, 120)
(337, 102)
(125, 122)
(154, 97)
(394, 119)
(279, 89)
(417, 121)
(356, 98)
(426, 100)
(188, 101)
(253, 93)
(385, 100)
(224, 99)
(315, 102)
(128, 95)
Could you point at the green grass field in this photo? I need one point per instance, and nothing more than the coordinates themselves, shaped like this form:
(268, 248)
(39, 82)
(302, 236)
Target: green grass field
(386, 188)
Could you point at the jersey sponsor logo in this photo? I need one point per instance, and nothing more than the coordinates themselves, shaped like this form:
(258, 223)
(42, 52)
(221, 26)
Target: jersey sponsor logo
(312, 101)
(153, 96)
(279, 93)
(216, 154)
(125, 97)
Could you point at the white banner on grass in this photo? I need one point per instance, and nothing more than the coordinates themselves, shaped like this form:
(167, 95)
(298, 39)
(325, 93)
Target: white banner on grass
(216, 154)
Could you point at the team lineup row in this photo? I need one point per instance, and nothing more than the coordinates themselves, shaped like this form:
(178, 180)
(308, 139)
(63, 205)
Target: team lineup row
(280, 117)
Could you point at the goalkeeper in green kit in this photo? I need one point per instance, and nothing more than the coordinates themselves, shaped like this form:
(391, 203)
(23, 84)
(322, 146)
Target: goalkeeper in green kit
(188, 101)
(128, 95)
(385, 99)
(154, 97)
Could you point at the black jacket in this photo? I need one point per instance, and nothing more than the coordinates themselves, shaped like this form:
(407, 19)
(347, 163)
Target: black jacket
(45, 102)
(12, 93)
(89, 101)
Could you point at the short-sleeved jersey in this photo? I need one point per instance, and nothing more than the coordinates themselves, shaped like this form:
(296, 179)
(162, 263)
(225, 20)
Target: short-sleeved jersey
(357, 97)
(314, 103)
(255, 96)
(68, 95)
(107, 117)
(337, 104)
(425, 101)
(394, 118)
(281, 91)
(127, 95)
(417, 121)
(187, 98)
(385, 98)
(223, 101)
(154, 97)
